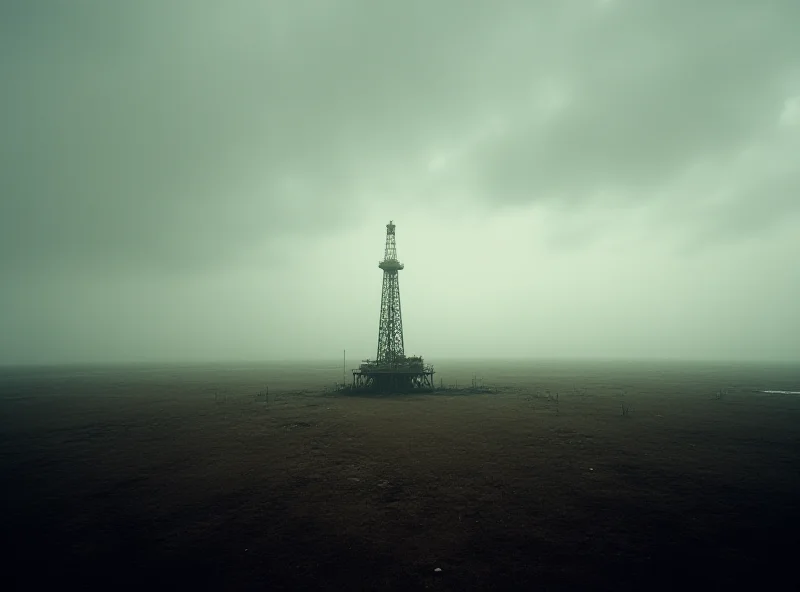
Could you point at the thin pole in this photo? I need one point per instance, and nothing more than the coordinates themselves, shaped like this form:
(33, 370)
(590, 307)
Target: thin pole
(344, 366)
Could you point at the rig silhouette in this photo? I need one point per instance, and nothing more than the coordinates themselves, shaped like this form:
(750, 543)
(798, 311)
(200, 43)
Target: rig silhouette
(392, 370)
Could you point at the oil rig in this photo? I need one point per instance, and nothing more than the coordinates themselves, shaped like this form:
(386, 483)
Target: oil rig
(392, 370)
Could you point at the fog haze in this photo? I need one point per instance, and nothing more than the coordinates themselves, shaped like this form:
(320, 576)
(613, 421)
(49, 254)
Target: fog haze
(202, 180)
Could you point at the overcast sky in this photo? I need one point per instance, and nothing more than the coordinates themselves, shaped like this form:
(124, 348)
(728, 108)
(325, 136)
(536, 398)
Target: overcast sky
(208, 180)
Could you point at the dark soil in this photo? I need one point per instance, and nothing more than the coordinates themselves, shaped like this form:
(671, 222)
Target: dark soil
(115, 485)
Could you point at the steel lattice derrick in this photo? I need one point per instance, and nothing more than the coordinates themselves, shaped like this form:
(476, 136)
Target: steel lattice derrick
(390, 332)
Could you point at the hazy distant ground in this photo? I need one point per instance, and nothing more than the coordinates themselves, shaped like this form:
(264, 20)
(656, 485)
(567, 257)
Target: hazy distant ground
(177, 476)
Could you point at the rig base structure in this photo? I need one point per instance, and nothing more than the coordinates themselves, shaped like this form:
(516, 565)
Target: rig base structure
(405, 375)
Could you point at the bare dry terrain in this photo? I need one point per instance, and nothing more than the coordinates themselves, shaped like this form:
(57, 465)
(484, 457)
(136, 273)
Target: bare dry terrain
(634, 477)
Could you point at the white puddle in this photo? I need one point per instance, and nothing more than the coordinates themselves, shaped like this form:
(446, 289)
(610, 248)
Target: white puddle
(782, 392)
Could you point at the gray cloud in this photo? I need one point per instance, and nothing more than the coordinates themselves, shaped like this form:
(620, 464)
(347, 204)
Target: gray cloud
(150, 132)
(186, 138)
(649, 89)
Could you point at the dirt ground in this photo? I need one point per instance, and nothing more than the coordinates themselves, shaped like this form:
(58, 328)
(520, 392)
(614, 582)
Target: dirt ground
(115, 482)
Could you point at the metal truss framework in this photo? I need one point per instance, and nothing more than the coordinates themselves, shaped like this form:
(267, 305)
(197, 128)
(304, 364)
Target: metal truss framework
(390, 328)
(392, 370)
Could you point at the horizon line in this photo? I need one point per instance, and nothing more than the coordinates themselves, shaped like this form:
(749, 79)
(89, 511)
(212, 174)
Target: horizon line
(337, 363)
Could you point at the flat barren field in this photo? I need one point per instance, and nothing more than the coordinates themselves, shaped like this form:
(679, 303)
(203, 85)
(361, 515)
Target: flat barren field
(553, 476)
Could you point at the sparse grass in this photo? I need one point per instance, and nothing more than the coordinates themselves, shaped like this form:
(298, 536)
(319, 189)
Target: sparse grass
(508, 489)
